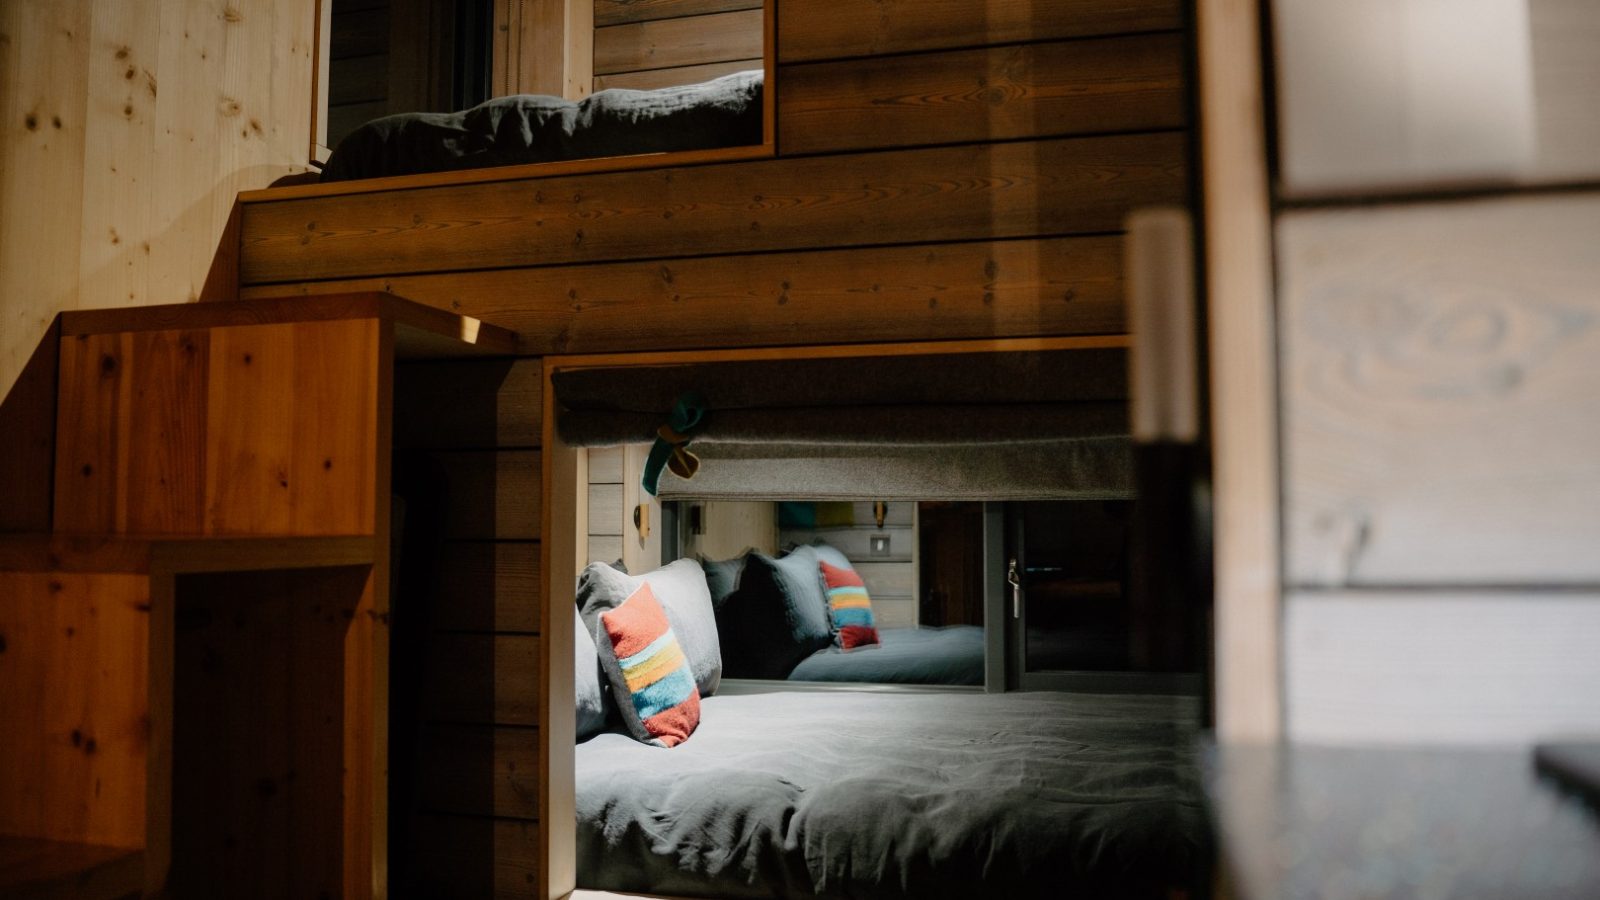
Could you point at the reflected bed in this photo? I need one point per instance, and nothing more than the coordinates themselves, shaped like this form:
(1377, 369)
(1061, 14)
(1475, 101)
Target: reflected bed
(943, 656)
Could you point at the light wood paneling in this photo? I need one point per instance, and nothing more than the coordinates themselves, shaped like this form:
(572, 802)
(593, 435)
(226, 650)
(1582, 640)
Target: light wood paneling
(998, 93)
(467, 404)
(1440, 667)
(671, 43)
(481, 770)
(894, 612)
(621, 12)
(605, 510)
(493, 495)
(1441, 395)
(73, 694)
(887, 579)
(605, 467)
(983, 191)
(978, 289)
(1243, 361)
(809, 31)
(481, 679)
(543, 47)
(604, 548)
(1566, 78)
(488, 586)
(653, 79)
(855, 542)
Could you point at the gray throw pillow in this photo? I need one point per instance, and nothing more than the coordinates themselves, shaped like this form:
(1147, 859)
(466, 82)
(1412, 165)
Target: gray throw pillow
(777, 617)
(722, 577)
(680, 588)
(588, 684)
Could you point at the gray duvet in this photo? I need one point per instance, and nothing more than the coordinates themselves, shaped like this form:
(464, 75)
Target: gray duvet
(952, 655)
(865, 795)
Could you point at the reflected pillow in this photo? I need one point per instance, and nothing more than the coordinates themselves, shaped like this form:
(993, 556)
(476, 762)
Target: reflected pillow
(722, 577)
(648, 671)
(776, 618)
(849, 607)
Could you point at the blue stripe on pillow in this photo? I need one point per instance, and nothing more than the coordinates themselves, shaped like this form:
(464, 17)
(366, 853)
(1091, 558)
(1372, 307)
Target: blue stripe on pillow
(843, 617)
(664, 694)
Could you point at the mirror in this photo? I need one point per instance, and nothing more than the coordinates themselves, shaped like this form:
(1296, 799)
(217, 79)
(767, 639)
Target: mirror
(407, 87)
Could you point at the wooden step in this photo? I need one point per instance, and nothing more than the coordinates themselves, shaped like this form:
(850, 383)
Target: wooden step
(36, 870)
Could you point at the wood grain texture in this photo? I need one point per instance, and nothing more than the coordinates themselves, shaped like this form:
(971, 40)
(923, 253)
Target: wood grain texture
(1440, 394)
(480, 679)
(1566, 77)
(488, 586)
(672, 43)
(813, 31)
(481, 770)
(73, 694)
(493, 495)
(467, 405)
(1243, 367)
(654, 79)
(53, 870)
(470, 858)
(622, 12)
(1440, 667)
(928, 292)
(997, 93)
(981, 191)
(28, 440)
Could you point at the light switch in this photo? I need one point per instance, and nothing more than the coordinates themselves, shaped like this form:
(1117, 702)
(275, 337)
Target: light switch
(878, 545)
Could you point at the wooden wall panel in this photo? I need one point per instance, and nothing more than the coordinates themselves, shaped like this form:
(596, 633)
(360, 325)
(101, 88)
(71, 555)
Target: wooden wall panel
(481, 770)
(468, 404)
(482, 679)
(1441, 398)
(929, 292)
(469, 858)
(493, 495)
(28, 440)
(622, 12)
(488, 586)
(671, 43)
(88, 482)
(981, 191)
(996, 93)
(72, 670)
(1492, 667)
(849, 28)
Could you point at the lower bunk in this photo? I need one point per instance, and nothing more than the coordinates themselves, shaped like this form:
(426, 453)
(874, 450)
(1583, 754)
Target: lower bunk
(846, 794)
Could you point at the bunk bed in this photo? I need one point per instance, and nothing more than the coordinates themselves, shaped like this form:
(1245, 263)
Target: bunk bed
(930, 173)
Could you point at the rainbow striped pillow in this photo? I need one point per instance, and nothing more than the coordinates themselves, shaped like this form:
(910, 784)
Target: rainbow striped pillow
(849, 607)
(649, 674)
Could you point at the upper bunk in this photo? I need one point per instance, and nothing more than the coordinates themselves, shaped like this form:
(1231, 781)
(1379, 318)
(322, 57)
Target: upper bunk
(933, 171)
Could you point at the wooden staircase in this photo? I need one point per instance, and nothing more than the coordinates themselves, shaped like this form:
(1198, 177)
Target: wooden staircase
(194, 596)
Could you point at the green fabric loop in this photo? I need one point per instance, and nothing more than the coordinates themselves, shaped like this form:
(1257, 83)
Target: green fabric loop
(687, 415)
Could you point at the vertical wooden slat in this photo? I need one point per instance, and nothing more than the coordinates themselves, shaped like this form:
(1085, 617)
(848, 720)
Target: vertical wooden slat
(557, 720)
(164, 478)
(90, 429)
(1243, 370)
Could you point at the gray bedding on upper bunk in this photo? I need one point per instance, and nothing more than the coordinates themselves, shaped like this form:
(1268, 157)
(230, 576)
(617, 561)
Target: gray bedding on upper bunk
(943, 656)
(869, 795)
(534, 128)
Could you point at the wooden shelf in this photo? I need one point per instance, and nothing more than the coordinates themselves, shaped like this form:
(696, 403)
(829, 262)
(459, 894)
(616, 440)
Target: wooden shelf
(46, 870)
(421, 332)
(179, 554)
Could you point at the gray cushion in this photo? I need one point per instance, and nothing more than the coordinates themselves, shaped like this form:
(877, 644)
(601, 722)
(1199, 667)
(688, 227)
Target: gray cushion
(680, 588)
(722, 577)
(777, 617)
(588, 685)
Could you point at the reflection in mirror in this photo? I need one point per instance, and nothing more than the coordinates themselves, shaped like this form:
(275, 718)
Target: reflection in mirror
(418, 86)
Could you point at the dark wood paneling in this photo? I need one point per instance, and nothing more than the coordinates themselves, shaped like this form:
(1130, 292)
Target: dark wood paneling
(1000, 93)
(669, 43)
(488, 586)
(480, 770)
(621, 12)
(28, 439)
(482, 679)
(835, 30)
(474, 404)
(929, 292)
(910, 196)
(472, 858)
(652, 79)
(491, 494)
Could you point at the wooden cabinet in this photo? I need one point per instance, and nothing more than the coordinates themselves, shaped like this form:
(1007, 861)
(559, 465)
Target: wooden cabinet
(194, 646)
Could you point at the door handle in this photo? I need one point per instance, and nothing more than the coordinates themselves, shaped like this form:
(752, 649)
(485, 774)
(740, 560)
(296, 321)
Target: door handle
(1016, 589)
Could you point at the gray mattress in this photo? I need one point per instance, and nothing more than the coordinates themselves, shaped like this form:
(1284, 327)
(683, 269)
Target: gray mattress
(952, 655)
(866, 795)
